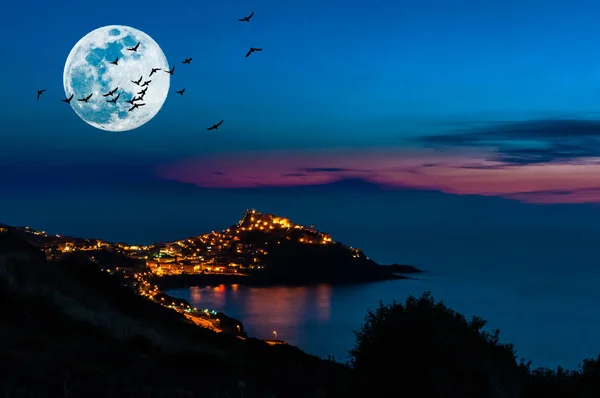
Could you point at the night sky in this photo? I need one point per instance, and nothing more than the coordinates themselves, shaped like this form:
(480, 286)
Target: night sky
(428, 118)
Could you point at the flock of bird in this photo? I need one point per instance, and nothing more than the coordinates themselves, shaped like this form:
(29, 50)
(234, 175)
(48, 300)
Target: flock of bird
(135, 102)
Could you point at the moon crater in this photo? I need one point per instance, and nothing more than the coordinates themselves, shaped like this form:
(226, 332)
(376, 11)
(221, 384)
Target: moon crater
(88, 70)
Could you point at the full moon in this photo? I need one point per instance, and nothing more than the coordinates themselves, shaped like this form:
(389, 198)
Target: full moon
(88, 70)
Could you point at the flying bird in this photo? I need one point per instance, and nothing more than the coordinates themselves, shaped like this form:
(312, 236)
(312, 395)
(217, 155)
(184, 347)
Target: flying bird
(135, 106)
(143, 92)
(215, 126)
(40, 92)
(187, 61)
(170, 72)
(180, 91)
(137, 99)
(246, 19)
(110, 93)
(86, 99)
(115, 62)
(147, 82)
(153, 71)
(134, 48)
(138, 81)
(252, 49)
(130, 101)
(114, 100)
(68, 100)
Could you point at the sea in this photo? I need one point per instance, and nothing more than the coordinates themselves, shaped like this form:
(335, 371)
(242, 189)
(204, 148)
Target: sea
(532, 271)
(547, 306)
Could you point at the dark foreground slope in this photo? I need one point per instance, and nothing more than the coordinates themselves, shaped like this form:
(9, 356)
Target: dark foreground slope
(68, 330)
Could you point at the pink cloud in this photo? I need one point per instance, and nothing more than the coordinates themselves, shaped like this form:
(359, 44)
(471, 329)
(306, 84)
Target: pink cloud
(462, 172)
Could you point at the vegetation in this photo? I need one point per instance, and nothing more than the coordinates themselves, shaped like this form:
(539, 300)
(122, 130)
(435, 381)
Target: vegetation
(424, 349)
(69, 330)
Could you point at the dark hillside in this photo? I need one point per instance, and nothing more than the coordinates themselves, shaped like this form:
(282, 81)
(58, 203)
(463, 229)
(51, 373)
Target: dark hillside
(107, 259)
(292, 261)
(66, 325)
(11, 242)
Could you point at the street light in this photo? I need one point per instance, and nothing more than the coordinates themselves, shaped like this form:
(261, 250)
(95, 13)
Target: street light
(275, 334)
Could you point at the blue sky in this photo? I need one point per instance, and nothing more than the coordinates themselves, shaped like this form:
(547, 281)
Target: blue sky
(459, 136)
(347, 90)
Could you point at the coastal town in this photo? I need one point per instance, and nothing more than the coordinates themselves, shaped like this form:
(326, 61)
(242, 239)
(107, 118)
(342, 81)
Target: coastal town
(234, 251)
(237, 251)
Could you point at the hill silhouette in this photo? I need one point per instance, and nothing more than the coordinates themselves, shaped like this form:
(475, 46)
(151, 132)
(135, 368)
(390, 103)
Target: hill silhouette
(273, 250)
(69, 329)
(288, 254)
(292, 262)
(403, 269)
(11, 242)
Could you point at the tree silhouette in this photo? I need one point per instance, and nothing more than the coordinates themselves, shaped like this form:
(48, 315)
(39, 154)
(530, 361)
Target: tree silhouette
(559, 383)
(424, 349)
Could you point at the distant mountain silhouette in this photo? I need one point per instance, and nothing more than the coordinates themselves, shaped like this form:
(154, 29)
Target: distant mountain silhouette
(346, 184)
(412, 208)
(352, 184)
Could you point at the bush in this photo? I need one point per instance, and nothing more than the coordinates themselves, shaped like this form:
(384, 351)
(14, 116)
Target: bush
(424, 349)
(559, 383)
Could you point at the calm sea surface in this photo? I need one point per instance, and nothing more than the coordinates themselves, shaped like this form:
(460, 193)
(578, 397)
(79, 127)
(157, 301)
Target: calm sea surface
(553, 321)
